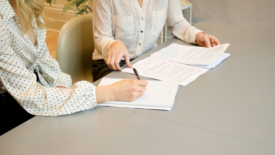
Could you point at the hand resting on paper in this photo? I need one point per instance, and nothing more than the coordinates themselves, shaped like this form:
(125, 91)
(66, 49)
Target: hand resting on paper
(125, 90)
(206, 40)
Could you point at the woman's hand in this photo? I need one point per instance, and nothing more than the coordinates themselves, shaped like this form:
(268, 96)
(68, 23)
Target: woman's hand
(114, 55)
(125, 90)
(206, 40)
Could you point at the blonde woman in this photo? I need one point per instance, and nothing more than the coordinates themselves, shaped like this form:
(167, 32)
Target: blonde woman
(31, 82)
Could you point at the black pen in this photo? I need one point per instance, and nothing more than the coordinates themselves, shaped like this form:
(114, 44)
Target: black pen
(136, 73)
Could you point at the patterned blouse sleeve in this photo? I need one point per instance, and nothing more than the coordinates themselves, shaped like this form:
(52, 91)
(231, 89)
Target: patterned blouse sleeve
(180, 27)
(35, 98)
(102, 26)
(52, 72)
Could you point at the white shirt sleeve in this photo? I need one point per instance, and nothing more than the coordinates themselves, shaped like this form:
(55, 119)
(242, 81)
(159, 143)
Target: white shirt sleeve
(103, 32)
(180, 27)
(34, 97)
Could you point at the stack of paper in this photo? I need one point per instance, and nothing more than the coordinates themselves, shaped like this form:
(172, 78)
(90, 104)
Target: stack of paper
(181, 64)
(159, 95)
(166, 71)
(190, 55)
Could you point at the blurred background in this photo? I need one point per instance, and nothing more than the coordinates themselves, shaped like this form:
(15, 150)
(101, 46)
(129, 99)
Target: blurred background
(251, 14)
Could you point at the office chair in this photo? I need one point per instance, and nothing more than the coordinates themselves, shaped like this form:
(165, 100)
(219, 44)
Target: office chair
(75, 47)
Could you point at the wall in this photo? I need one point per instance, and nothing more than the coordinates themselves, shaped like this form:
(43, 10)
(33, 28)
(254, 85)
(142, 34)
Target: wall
(252, 14)
(55, 18)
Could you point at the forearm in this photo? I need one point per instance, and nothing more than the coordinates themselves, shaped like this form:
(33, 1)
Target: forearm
(102, 26)
(185, 32)
(180, 27)
(45, 101)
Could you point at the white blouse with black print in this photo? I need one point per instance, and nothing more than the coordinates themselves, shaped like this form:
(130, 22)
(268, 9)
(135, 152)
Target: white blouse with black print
(137, 27)
(31, 75)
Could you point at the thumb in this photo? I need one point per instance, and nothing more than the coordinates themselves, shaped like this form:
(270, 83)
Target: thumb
(127, 60)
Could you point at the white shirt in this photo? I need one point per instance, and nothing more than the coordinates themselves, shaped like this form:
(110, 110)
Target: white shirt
(19, 59)
(138, 28)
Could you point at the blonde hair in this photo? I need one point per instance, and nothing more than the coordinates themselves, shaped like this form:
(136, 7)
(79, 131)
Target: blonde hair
(30, 9)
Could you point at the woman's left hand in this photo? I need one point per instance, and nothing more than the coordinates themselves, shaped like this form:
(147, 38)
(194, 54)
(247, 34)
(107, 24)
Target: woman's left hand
(206, 40)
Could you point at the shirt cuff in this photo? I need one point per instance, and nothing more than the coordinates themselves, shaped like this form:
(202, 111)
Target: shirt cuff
(94, 90)
(104, 46)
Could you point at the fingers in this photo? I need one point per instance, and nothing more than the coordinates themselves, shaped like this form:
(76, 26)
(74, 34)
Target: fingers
(113, 60)
(141, 94)
(207, 41)
(138, 85)
(127, 60)
(139, 88)
(114, 55)
(214, 41)
(142, 83)
(117, 61)
(129, 90)
(217, 42)
(136, 95)
(110, 60)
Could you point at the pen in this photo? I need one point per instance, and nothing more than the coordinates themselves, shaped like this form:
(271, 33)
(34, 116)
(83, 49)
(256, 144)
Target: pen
(136, 73)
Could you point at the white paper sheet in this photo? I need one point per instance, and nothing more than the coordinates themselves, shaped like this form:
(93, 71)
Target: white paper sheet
(159, 95)
(166, 71)
(216, 63)
(190, 54)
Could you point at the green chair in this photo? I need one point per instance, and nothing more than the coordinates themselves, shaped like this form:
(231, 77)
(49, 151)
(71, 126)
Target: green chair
(75, 47)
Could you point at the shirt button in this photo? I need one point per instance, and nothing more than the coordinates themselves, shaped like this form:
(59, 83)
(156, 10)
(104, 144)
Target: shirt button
(141, 31)
(141, 18)
(139, 44)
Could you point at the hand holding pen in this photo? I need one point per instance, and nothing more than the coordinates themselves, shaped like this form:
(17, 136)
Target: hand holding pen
(127, 90)
(136, 73)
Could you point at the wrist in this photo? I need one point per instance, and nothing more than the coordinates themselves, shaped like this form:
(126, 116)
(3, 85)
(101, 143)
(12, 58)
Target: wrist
(198, 36)
(115, 42)
(105, 93)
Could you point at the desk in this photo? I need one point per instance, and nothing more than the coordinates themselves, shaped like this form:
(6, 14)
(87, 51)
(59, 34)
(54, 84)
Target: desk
(227, 111)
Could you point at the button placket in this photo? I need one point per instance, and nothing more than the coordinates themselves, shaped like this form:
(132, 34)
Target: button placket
(141, 35)
(141, 16)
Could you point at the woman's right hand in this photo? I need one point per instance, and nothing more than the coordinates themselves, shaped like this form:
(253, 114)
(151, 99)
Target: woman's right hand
(129, 90)
(125, 90)
(116, 52)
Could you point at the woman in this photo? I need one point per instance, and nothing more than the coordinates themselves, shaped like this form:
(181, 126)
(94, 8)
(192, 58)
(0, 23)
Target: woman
(31, 82)
(124, 30)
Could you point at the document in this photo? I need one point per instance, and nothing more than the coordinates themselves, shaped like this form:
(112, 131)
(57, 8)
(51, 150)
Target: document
(190, 55)
(158, 95)
(166, 71)
(216, 63)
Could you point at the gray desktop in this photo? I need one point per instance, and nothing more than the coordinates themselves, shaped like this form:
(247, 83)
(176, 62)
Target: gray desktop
(230, 110)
